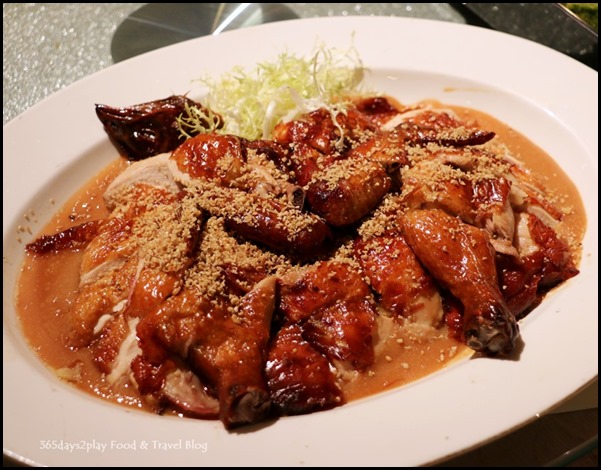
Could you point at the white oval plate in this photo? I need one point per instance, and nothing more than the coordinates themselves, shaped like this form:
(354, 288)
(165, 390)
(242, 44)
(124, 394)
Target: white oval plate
(53, 148)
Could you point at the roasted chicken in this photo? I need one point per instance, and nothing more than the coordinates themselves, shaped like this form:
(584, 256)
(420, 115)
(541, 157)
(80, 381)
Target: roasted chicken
(246, 280)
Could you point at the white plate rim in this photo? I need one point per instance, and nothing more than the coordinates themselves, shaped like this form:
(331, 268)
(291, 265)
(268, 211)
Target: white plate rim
(366, 432)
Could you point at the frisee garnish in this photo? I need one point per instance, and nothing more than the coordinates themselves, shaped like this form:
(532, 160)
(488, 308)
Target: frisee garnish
(195, 120)
(253, 102)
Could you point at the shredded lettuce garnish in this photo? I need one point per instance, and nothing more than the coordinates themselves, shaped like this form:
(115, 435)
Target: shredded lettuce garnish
(253, 102)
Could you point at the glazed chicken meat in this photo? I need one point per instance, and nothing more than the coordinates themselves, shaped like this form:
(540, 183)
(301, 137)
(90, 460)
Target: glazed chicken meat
(245, 280)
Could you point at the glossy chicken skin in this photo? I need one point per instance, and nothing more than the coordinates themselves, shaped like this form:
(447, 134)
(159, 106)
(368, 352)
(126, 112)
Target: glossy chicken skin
(460, 257)
(377, 110)
(274, 224)
(233, 162)
(335, 308)
(423, 126)
(237, 186)
(226, 352)
(211, 157)
(345, 199)
(299, 377)
(389, 149)
(340, 188)
(328, 320)
(73, 238)
(398, 278)
(322, 130)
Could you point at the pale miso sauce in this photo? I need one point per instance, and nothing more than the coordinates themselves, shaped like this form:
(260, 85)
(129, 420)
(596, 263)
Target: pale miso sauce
(47, 287)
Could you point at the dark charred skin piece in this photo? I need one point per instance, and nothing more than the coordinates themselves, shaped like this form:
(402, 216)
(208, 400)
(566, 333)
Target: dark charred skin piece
(72, 238)
(144, 130)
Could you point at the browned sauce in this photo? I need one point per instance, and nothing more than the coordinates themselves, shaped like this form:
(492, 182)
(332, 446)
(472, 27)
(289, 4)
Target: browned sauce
(47, 286)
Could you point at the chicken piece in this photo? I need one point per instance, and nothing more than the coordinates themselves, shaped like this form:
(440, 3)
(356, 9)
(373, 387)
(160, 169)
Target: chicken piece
(529, 195)
(327, 131)
(119, 339)
(106, 280)
(226, 350)
(209, 157)
(305, 162)
(232, 354)
(299, 377)
(148, 129)
(347, 191)
(426, 125)
(153, 171)
(271, 152)
(270, 222)
(217, 326)
(340, 189)
(127, 268)
(554, 255)
(476, 191)
(494, 212)
(323, 131)
(236, 183)
(76, 237)
(399, 280)
(389, 149)
(113, 332)
(183, 390)
(459, 257)
(335, 308)
(171, 383)
(544, 261)
(377, 110)
(232, 162)
(266, 177)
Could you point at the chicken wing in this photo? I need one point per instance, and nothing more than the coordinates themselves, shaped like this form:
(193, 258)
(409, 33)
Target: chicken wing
(341, 187)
